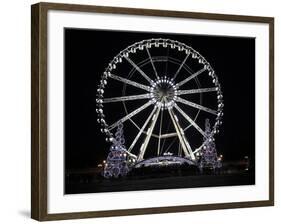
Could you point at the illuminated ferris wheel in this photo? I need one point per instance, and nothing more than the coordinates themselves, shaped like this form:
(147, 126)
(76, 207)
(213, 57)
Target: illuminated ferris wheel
(166, 92)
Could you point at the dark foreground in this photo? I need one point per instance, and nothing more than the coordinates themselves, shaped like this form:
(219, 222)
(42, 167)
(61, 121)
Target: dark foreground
(88, 183)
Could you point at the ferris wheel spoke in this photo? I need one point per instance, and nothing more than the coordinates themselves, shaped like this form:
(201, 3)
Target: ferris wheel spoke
(129, 82)
(179, 150)
(190, 77)
(167, 61)
(195, 105)
(182, 64)
(167, 129)
(174, 140)
(149, 133)
(192, 91)
(142, 129)
(169, 135)
(184, 143)
(160, 131)
(139, 69)
(151, 61)
(130, 115)
(192, 122)
(126, 98)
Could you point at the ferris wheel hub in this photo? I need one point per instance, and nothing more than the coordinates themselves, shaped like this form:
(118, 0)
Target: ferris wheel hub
(163, 92)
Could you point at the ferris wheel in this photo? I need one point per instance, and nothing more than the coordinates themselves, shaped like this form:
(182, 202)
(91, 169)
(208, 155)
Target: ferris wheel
(164, 91)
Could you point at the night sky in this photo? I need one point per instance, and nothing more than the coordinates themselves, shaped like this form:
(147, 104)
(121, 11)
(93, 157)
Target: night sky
(87, 54)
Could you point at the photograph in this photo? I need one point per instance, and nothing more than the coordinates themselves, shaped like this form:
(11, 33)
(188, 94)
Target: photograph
(140, 111)
(157, 110)
(135, 111)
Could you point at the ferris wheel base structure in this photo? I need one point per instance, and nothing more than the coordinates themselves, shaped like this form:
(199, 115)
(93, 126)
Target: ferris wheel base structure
(164, 161)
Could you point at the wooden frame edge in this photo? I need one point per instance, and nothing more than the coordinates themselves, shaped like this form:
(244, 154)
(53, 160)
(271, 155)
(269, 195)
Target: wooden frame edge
(35, 192)
(39, 110)
(271, 111)
(154, 12)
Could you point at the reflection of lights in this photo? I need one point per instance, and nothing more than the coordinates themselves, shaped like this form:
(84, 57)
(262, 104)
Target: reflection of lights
(104, 161)
(99, 165)
(246, 157)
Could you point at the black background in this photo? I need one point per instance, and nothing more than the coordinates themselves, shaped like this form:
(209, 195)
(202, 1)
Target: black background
(87, 54)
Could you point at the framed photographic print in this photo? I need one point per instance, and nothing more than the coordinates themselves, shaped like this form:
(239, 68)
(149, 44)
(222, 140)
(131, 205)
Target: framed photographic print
(138, 111)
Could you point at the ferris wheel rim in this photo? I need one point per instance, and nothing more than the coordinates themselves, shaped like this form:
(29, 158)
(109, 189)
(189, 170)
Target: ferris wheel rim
(174, 44)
